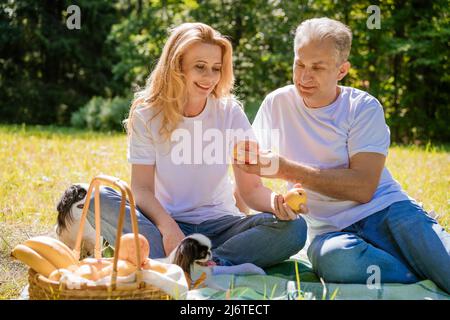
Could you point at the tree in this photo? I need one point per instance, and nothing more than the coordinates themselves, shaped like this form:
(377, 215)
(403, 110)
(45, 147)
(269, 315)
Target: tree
(46, 70)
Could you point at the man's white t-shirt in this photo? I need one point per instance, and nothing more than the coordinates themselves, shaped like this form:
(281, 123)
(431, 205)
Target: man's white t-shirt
(191, 169)
(326, 138)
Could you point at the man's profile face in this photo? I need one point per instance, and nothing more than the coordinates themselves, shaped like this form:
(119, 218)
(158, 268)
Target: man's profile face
(316, 72)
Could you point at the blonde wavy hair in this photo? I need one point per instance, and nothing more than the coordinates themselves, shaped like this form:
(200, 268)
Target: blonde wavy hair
(165, 88)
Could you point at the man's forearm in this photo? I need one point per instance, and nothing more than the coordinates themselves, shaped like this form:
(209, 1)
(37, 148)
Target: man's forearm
(344, 184)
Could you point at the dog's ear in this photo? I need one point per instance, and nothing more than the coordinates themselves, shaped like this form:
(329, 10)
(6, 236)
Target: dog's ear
(73, 194)
(185, 254)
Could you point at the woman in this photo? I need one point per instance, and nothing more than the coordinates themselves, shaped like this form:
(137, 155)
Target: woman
(178, 179)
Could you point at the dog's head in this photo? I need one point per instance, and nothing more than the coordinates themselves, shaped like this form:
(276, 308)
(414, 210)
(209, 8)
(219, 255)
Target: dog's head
(72, 197)
(70, 208)
(195, 248)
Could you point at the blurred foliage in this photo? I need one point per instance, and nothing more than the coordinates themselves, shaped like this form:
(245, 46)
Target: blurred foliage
(48, 72)
(102, 114)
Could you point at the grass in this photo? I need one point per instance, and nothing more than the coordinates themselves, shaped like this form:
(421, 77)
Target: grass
(39, 163)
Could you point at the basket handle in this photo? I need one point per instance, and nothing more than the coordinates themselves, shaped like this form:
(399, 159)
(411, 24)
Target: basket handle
(125, 191)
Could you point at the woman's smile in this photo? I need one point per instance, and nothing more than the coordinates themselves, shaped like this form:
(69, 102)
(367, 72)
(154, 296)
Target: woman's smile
(203, 86)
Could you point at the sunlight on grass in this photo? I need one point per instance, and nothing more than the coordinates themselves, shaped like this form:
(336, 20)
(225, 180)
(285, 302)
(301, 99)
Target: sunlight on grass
(39, 163)
(425, 175)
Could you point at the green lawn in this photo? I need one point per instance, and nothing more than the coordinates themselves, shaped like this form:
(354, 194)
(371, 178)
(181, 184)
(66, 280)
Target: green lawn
(39, 163)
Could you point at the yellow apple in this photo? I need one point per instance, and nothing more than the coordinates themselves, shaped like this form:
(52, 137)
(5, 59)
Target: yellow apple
(294, 198)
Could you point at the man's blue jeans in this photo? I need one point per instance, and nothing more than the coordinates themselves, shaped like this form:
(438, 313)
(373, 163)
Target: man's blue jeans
(260, 239)
(403, 241)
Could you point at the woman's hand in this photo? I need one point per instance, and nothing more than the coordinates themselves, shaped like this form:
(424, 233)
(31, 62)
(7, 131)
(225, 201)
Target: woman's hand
(282, 211)
(171, 236)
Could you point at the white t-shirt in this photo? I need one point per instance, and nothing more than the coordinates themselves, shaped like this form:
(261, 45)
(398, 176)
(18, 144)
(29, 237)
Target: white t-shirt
(191, 170)
(326, 138)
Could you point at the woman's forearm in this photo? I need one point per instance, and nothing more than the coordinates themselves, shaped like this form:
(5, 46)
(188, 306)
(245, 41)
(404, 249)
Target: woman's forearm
(259, 199)
(152, 208)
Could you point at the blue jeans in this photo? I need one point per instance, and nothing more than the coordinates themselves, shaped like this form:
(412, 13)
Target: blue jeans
(402, 240)
(260, 239)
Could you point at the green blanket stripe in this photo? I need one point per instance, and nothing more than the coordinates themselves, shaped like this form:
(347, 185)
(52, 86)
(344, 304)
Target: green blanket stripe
(280, 284)
(286, 270)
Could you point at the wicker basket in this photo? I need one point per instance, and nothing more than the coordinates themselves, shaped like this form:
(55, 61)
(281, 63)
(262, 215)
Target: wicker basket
(41, 288)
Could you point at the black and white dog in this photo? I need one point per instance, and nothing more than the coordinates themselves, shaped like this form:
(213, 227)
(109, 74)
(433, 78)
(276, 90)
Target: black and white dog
(194, 255)
(193, 251)
(70, 208)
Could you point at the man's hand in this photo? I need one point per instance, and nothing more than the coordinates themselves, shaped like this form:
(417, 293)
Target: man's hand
(282, 211)
(171, 236)
(267, 164)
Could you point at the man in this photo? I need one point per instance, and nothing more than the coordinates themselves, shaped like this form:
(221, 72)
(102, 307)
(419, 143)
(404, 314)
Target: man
(334, 141)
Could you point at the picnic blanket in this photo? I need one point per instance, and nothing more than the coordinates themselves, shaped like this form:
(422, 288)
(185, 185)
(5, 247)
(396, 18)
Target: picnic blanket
(281, 283)
(294, 279)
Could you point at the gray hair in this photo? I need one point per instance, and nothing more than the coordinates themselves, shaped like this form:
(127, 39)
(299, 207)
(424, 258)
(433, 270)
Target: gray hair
(325, 28)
